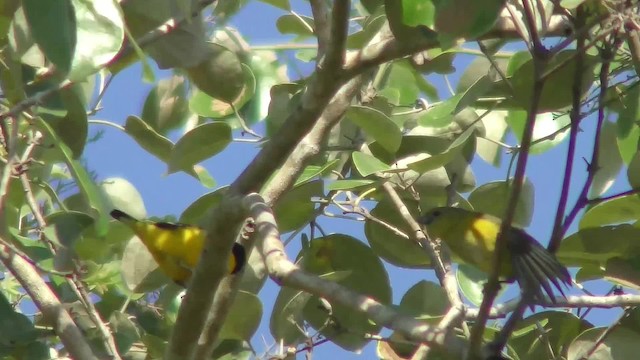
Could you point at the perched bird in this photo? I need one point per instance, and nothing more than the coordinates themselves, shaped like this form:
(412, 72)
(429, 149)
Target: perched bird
(472, 237)
(176, 247)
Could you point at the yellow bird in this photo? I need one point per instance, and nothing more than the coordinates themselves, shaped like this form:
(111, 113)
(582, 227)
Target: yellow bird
(472, 237)
(176, 247)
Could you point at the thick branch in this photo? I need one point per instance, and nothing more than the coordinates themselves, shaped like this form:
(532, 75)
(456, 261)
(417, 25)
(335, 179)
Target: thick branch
(335, 52)
(206, 278)
(321, 24)
(391, 49)
(48, 304)
(284, 272)
(312, 142)
(222, 302)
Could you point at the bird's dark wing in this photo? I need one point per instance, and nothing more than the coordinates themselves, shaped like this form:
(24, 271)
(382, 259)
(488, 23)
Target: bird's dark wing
(535, 268)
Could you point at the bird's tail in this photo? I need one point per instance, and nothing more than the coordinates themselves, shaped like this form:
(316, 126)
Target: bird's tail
(537, 270)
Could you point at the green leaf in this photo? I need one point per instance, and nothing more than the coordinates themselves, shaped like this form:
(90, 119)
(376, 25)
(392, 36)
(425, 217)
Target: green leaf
(628, 145)
(295, 208)
(425, 300)
(125, 331)
(560, 328)
(156, 144)
(390, 246)
(377, 125)
(195, 212)
(15, 328)
(89, 190)
(467, 19)
(493, 198)
(434, 161)
(471, 282)
(166, 106)
(633, 171)
(283, 100)
(122, 195)
(73, 127)
(624, 272)
(415, 12)
(66, 228)
(296, 25)
(349, 184)
(359, 39)
(630, 113)
(161, 147)
(367, 276)
(619, 343)
(549, 130)
(609, 161)
(209, 107)
(441, 114)
(53, 27)
(280, 4)
(557, 92)
(495, 131)
(140, 271)
(474, 92)
(586, 248)
(287, 319)
(243, 317)
(401, 79)
(312, 171)
(99, 38)
(34, 248)
(199, 144)
(614, 211)
(220, 76)
(367, 164)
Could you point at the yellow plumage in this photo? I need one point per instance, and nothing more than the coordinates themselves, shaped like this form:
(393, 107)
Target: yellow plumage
(472, 237)
(176, 247)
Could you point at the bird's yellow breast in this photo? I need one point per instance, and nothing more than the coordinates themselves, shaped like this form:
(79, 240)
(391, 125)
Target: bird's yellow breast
(183, 243)
(473, 239)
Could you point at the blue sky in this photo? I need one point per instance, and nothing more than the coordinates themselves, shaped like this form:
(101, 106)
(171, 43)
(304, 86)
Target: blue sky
(117, 155)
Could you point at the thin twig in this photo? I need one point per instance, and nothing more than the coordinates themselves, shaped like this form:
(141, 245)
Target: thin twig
(614, 196)
(443, 271)
(575, 118)
(606, 333)
(73, 282)
(493, 284)
(593, 165)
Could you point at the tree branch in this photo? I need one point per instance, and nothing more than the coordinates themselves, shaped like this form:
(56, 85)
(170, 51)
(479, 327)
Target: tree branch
(322, 26)
(284, 272)
(444, 274)
(335, 52)
(575, 118)
(222, 302)
(574, 301)
(391, 48)
(46, 301)
(493, 284)
(205, 280)
(592, 168)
